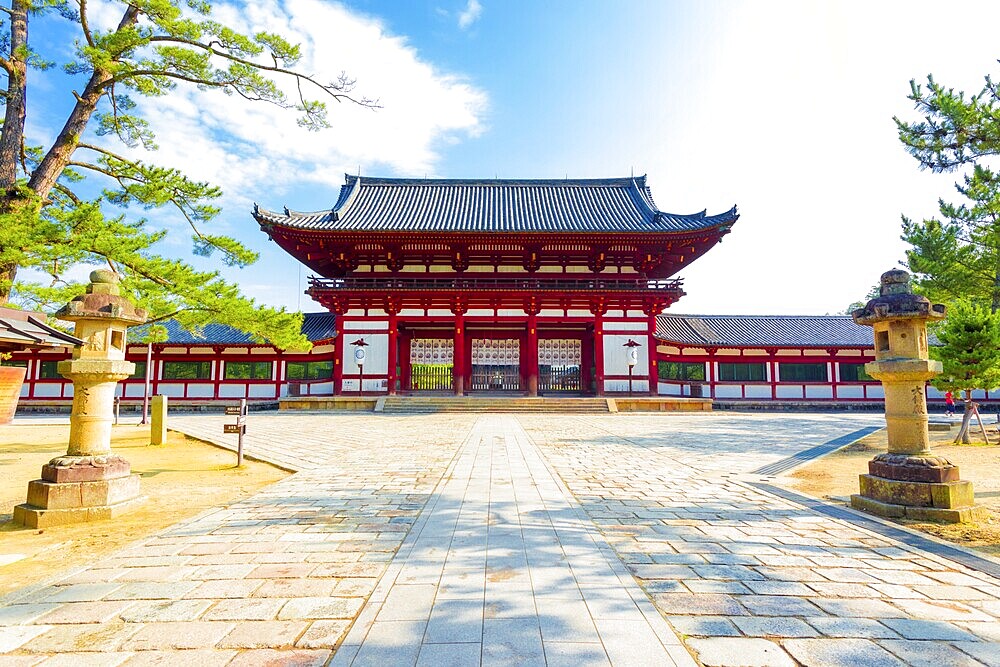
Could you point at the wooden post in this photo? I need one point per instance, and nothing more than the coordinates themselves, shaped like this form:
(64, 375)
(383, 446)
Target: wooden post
(158, 427)
(654, 375)
(531, 355)
(338, 363)
(393, 351)
(458, 363)
(599, 351)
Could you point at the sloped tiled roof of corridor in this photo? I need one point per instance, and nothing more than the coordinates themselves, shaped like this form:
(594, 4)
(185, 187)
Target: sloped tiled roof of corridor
(316, 326)
(764, 330)
(496, 205)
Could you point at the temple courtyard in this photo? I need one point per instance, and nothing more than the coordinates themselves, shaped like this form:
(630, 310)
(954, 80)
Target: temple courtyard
(536, 539)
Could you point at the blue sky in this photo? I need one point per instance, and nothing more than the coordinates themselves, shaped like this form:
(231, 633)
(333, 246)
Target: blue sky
(783, 108)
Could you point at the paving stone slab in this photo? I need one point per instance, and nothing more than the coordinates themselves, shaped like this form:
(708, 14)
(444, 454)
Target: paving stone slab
(725, 652)
(840, 653)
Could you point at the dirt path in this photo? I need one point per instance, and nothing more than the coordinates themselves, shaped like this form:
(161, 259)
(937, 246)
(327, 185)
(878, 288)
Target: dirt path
(180, 479)
(835, 476)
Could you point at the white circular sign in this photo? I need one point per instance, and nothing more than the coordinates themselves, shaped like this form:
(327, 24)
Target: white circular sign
(633, 356)
(359, 355)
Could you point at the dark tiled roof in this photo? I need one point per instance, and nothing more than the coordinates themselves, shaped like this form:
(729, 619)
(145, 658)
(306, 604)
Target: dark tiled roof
(20, 330)
(573, 205)
(316, 326)
(763, 330)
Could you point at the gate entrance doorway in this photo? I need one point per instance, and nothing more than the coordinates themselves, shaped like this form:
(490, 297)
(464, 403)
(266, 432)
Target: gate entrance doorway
(496, 364)
(559, 365)
(431, 364)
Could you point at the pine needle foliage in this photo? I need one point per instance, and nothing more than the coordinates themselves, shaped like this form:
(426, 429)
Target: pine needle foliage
(45, 221)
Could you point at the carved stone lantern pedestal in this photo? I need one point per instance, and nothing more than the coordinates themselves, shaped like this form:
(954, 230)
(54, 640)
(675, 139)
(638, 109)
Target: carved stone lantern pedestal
(909, 480)
(89, 482)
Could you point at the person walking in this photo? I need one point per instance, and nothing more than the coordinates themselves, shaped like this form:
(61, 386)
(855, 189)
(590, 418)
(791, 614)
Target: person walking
(949, 403)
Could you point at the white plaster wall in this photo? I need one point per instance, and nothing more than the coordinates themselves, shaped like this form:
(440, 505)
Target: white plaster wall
(934, 393)
(667, 389)
(636, 327)
(24, 390)
(68, 392)
(819, 391)
(621, 386)
(200, 391)
(47, 390)
(262, 391)
(794, 391)
(323, 388)
(376, 357)
(366, 324)
(758, 391)
(851, 391)
(876, 391)
(616, 357)
(728, 391)
(232, 391)
(171, 390)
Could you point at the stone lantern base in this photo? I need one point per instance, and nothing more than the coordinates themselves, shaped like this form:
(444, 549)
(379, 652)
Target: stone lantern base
(74, 489)
(922, 488)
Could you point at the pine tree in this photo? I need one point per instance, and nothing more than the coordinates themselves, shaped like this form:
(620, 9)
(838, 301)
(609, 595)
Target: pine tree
(969, 350)
(957, 255)
(46, 223)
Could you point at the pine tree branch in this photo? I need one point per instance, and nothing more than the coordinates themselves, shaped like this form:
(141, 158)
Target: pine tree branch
(84, 23)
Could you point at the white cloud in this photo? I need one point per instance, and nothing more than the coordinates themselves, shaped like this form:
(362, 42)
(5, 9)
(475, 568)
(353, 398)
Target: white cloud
(256, 150)
(473, 10)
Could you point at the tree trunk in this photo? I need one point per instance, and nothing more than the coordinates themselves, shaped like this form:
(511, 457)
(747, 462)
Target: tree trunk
(963, 432)
(13, 122)
(58, 156)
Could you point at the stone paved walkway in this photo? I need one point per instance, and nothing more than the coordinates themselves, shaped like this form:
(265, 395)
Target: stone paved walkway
(514, 540)
(750, 578)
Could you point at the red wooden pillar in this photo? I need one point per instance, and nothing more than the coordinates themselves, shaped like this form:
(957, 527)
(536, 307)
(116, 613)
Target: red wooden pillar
(338, 365)
(654, 374)
(599, 350)
(405, 372)
(711, 373)
(530, 353)
(458, 367)
(393, 351)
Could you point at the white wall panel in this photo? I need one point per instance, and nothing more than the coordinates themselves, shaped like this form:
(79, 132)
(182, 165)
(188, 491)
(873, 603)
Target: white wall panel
(728, 391)
(819, 391)
(875, 391)
(354, 325)
(852, 391)
(232, 391)
(758, 391)
(793, 391)
(376, 355)
(262, 391)
(171, 390)
(616, 357)
(621, 386)
(200, 391)
(47, 390)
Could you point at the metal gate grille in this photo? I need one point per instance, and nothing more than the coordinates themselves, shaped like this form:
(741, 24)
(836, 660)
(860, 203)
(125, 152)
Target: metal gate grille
(559, 378)
(559, 365)
(431, 364)
(496, 364)
(494, 377)
(431, 377)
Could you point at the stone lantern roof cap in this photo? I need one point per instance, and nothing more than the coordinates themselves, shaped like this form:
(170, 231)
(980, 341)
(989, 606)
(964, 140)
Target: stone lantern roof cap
(896, 301)
(102, 301)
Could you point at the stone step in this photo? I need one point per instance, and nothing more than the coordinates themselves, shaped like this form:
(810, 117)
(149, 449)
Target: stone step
(419, 404)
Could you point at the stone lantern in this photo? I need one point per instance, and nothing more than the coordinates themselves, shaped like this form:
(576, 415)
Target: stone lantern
(89, 482)
(908, 480)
